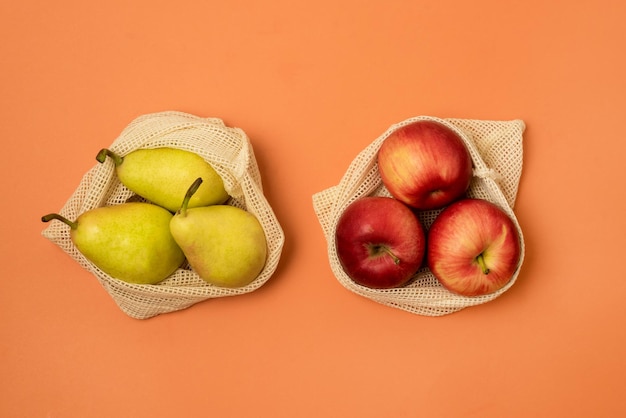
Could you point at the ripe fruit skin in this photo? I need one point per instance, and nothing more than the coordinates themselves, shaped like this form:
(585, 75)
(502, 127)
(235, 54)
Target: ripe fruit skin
(162, 176)
(372, 234)
(473, 247)
(224, 245)
(130, 242)
(425, 164)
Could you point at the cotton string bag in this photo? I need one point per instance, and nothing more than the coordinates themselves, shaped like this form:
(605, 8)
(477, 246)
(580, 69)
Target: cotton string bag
(229, 151)
(497, 153)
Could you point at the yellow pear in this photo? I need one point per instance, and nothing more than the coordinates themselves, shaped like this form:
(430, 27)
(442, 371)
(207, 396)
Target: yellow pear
(163, 175)
(224, 245)
(130, 241)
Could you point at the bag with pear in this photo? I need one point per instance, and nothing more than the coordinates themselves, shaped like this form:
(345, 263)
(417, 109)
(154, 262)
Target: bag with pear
(496, 152)
(124, 190)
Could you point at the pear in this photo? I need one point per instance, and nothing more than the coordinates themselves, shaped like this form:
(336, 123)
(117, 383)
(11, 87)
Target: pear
(129, 241)
(224, 245)
(163, 175)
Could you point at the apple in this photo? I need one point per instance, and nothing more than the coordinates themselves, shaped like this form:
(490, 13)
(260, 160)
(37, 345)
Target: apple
(380, 242)
(473, 247)
(425, 164)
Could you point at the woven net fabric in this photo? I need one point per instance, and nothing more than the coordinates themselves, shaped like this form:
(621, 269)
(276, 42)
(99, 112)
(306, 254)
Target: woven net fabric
(497, 155)
(229, 151)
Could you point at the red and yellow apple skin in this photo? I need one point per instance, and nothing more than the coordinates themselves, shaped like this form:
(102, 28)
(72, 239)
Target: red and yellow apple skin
(380, 242)
(425, 164)
(473, 247)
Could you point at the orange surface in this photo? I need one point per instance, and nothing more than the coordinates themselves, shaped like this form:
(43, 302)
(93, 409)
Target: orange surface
(312, 84)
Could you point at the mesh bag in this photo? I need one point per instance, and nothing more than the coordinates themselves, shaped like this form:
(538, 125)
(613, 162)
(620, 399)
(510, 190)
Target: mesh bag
(228, 151)
(496, 151)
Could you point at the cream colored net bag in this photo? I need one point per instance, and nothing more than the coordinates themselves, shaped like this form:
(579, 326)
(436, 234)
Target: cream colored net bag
(230, 153)
(496, 150)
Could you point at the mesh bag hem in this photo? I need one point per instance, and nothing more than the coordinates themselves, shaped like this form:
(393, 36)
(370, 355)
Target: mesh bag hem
(229, 151)
(497, 154)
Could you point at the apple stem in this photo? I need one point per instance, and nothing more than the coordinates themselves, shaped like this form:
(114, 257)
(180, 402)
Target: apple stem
(51, 216)
(395, 258)
(190, 192)
(104, 153)
(481, 262)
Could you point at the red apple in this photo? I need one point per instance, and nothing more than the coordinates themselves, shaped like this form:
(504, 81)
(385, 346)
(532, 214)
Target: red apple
(425, 164)
(473, 247)
(380, 242)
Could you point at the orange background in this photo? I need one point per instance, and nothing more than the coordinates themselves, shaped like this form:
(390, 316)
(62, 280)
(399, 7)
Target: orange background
(312, 84)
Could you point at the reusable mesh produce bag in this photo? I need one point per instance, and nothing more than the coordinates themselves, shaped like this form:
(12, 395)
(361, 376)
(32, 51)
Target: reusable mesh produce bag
(229, 151)
(496, 151)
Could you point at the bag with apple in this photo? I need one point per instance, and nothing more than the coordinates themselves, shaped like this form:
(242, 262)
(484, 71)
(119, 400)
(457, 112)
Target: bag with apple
(459, 179)
(140, 219)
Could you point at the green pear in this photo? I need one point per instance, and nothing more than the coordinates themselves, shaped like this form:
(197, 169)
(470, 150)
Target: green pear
(129, 241)
(163, 175)
(224, 245)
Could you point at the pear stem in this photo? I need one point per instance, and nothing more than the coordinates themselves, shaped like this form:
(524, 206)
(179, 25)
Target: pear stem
(190, 192)
(481, 262)
(104, 153)
(51, 216)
